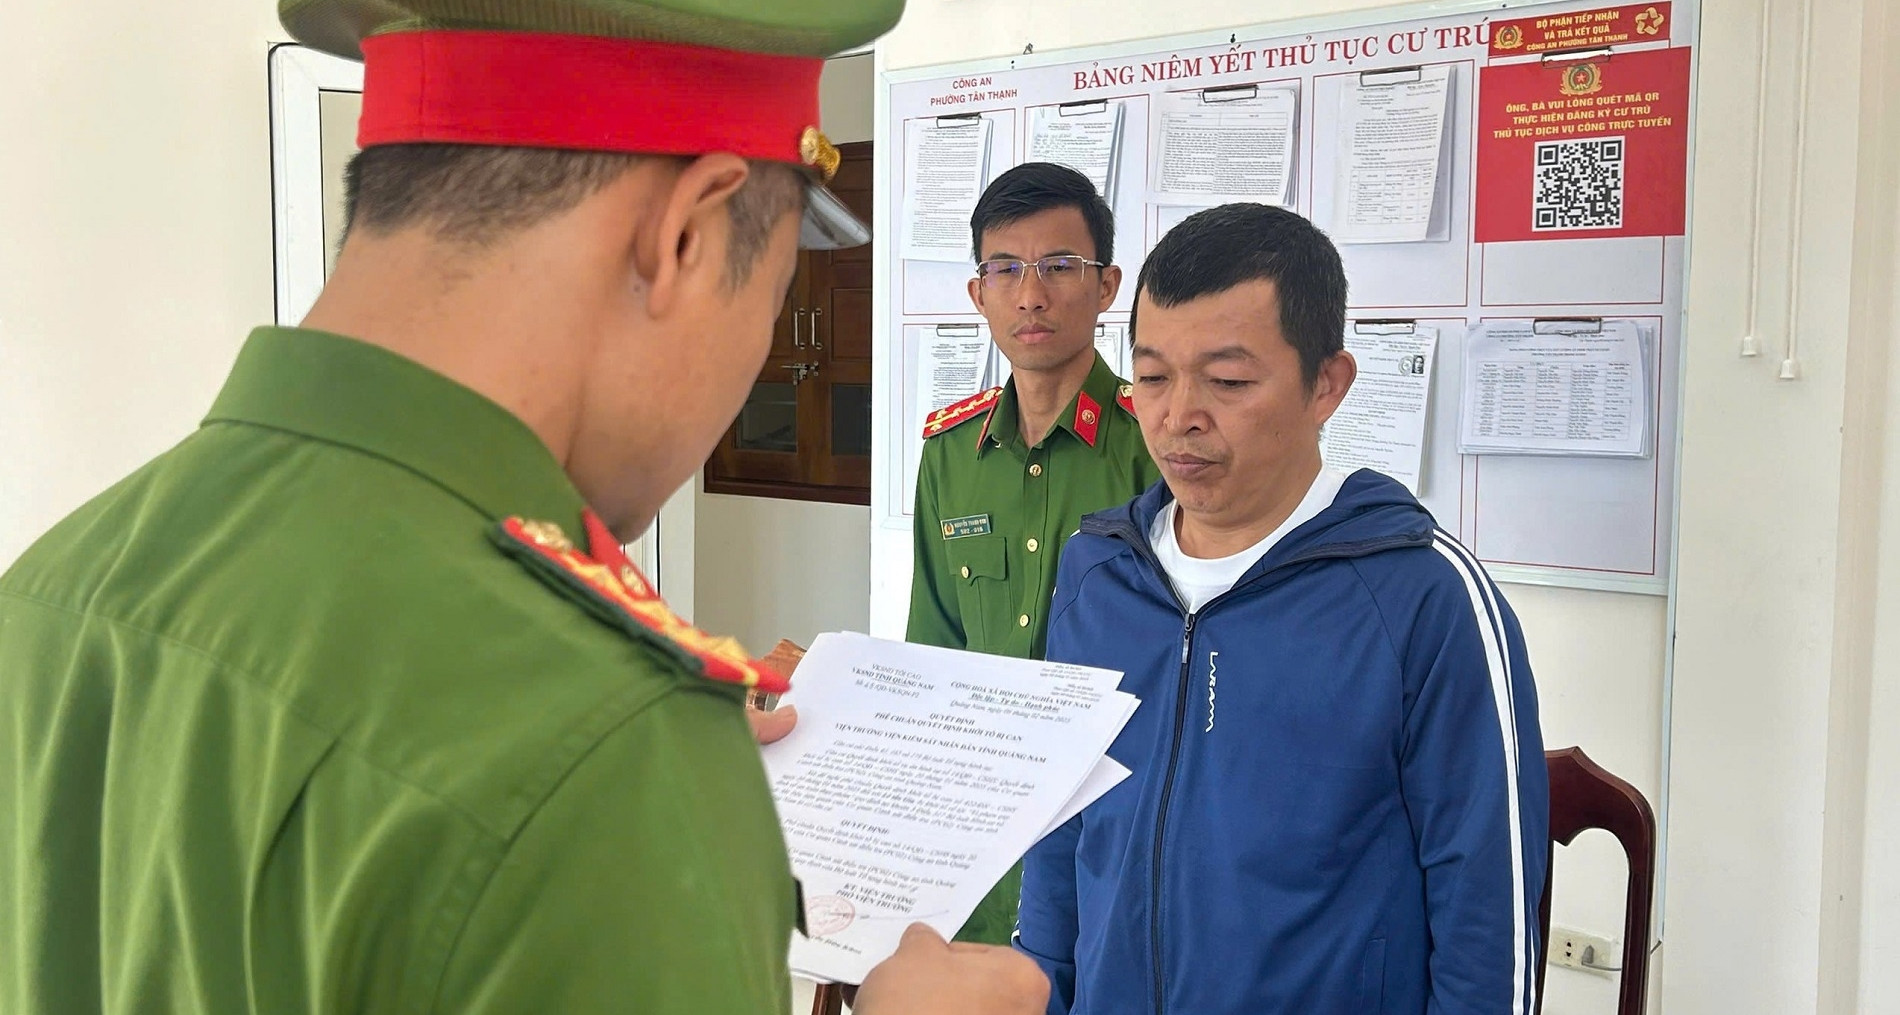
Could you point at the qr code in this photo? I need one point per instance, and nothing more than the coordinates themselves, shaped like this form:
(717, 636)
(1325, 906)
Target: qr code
(1578, 185)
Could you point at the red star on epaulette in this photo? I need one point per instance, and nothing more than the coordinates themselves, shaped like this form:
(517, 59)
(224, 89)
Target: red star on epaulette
(1088, 417)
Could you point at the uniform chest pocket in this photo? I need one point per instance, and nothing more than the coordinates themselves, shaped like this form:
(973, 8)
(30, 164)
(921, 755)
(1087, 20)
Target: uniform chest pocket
(981, 570)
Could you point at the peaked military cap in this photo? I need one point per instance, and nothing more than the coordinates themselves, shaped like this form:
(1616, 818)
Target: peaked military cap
(671, 77)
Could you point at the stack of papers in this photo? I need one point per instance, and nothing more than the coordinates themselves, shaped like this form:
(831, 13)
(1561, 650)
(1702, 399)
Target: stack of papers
(918, 776)
(1111, 340)
(1380, 424)
(1085, 136)
(953, 363)
(1391, 136)
(1572, 388)
(946, 166)
(1222, 145)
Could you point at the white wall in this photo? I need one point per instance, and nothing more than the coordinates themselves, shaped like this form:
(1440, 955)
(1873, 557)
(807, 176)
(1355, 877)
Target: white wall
(1880, 921)
(1783, 584)
(135, 237)
(846, 93)
(337, 113)
(767, 569)
(1783, 523)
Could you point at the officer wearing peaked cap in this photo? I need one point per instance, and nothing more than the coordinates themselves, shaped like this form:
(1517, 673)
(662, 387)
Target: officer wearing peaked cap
(350, 702)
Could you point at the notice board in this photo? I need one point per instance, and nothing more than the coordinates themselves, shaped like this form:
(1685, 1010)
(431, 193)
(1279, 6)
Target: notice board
(1560, 196)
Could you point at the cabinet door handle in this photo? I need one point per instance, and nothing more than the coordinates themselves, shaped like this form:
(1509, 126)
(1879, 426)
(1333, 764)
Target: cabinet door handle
(798, 315)
(814, 328)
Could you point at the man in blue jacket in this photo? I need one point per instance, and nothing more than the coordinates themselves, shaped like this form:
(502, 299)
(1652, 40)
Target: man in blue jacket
(1338, 804)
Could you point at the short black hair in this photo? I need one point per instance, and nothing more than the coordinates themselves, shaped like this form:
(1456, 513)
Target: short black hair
(1215, 250)
(1035, 187)
(475, 195)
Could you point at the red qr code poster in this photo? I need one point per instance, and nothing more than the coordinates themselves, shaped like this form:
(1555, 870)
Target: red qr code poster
(1584, 148)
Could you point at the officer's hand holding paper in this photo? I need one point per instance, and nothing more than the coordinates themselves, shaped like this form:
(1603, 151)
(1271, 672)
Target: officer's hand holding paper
(917, 776)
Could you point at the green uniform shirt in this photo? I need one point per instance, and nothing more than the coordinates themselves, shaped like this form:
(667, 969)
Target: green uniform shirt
(993, 514)
(286, 732)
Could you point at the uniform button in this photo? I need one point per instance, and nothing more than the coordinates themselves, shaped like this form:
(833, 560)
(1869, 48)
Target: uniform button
(966, 572)
(1035, 470)
(1022, 621)
(1033, 545)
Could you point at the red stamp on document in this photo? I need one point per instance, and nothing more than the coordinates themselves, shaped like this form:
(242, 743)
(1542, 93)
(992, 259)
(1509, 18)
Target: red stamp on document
(828, 915)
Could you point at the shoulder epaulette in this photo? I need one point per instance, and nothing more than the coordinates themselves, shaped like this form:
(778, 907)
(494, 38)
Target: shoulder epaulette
(606, 582)
(1125, 397)
(951, 415)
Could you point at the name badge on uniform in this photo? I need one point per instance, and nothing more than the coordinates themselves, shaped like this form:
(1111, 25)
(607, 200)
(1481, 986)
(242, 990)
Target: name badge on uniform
(968, 525)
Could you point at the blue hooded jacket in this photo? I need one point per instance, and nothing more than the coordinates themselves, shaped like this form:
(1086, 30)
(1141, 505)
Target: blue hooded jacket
(1338, 803)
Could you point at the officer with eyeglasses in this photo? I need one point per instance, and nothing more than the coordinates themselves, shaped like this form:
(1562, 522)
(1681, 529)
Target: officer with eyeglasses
(1007, 474)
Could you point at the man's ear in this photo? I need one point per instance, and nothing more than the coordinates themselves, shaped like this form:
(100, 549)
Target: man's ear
(1335, 379)
(1111, 285)
(683, 243)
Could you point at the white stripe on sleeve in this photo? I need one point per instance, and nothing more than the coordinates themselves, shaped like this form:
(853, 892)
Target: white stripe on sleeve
(1498, 660)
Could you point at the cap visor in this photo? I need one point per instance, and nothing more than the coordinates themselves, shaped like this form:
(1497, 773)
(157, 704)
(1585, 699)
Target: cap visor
(828, 224)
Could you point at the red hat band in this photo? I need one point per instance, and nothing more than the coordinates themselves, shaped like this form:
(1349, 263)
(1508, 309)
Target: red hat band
(585, 93)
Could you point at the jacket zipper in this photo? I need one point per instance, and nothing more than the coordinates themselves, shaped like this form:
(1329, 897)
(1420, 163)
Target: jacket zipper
(1161, 815)
(1131, 534)
(1143, 550)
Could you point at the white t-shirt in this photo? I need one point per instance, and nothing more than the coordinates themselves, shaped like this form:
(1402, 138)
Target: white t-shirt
(1198, 579)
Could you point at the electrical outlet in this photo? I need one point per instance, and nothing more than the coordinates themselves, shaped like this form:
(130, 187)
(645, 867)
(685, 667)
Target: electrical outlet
(1574, 949)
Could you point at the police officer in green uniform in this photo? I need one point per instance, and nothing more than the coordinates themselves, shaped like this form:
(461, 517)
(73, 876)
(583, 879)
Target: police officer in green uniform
(1007, 475)
(350, 702)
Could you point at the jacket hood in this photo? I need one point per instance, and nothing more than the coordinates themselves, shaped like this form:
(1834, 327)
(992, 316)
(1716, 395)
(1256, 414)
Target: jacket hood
(1372, 513)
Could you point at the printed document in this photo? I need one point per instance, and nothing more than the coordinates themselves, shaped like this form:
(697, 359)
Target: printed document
(945, 166)
(1381, 423)
(1224, 145)
(917, 776)
(947, 363)
(1111, 340)
(951, 362)
(1556, 388)
(1391, 138)
(1085, 138)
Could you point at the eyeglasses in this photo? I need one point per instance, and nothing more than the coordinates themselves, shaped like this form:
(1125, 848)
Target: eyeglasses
(1055, 271)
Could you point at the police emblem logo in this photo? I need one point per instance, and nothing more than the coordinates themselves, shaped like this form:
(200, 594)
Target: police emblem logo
(1582, 79)
(1510, 37)
(817, 151)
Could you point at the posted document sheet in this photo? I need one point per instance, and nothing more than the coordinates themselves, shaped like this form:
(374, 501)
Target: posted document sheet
(949, 363)
(1086, 138)
(952, 360)
(917, 776)
(1111, 340)
(1391, 135)
(946, 163)
(1381, 423)
(1557, 388)
(1218, 146)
